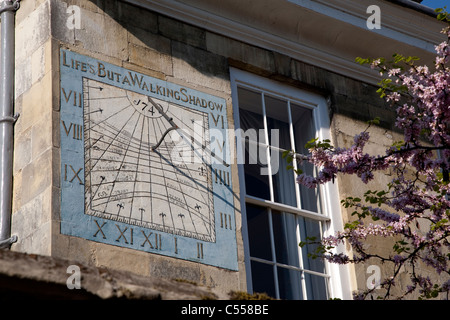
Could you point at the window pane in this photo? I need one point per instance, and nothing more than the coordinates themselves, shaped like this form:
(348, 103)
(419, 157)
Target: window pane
(289, 284)
(316, 287)
(310, 228)
(302, 119)
(258, 232)
(277, 122)
(263, 279)
(251, 112)
(283, 180)
(309, 197)
(256, 172)
(284, 232)
(303, 125)
(255, 155)
(252, 126)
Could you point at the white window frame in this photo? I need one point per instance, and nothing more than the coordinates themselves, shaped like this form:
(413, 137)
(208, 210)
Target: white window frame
(339, 284)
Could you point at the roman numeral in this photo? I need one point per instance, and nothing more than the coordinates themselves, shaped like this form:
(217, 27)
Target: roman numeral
(199, 250)
(222, 177)
(122, 235)
(216, 120)
(156, 242)
(68, 169)
(99, 229)
(73, 96)
(225, 221)
(76, 129)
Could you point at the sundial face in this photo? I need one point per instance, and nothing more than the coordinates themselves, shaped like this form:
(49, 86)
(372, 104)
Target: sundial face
(143, 163)
(128, 181)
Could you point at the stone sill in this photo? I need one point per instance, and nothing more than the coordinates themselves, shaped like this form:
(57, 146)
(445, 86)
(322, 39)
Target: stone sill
(30, 276)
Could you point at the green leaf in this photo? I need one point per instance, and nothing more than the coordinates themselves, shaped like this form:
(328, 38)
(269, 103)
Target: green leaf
(374, 121)
(398, 144)
(311, 143)
(438, 224)
(362, 60)
(351, 225)
(412, 58)
(381, 193)
(442, 14)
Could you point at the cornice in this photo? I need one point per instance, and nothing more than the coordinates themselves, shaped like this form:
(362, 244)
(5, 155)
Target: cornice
(411, 30)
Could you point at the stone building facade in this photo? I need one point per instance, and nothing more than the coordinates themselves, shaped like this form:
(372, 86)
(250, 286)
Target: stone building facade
(212, 64)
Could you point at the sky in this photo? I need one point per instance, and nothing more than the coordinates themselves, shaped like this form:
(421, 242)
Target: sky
(437, 3)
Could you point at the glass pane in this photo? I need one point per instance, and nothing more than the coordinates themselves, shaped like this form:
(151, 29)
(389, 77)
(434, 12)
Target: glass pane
(303, 125)
(252, 126)
(309, 198)
(289, 284)
(263, 278)
(256, 171)
(302, 119)
(316, 287)
(283, 180)
(258, 232)
(284, 232)
(310, 228)
(277, 122)
(251, 114)
(255, 155)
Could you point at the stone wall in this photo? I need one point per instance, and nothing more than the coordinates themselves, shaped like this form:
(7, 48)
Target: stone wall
(164, 48)
(35, 177)
(37, 277)
(125, 36)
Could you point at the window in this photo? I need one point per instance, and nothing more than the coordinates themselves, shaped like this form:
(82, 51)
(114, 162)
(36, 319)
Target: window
(277, 212)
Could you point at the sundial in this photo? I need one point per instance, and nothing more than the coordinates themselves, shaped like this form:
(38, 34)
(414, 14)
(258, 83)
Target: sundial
(145, 163)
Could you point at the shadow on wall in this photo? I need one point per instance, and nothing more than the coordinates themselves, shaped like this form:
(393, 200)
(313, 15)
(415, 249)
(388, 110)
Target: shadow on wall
(159, 43)
(171, 48)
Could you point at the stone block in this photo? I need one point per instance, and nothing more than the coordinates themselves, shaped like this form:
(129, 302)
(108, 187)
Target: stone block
(41, 62)
(282, 64)
(141, 37)
(37, 64)
(251, 55)
(174, 269)
(92, 37)
(41, 137)
(200, 67)
(150, 59)
(31, 223)
(37, 176)
(112, 257)
(182, 32)
(36, 103)
(59, 18)
(17, 191)
(129, 15)
(32, 31)
(56, 127)
(23, 76)
(91, 5)
(22, 149)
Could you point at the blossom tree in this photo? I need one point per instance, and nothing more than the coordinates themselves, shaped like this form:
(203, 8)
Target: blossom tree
(414, 208)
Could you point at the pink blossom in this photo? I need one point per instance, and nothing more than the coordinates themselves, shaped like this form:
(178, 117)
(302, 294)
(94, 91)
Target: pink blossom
(419, 190)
